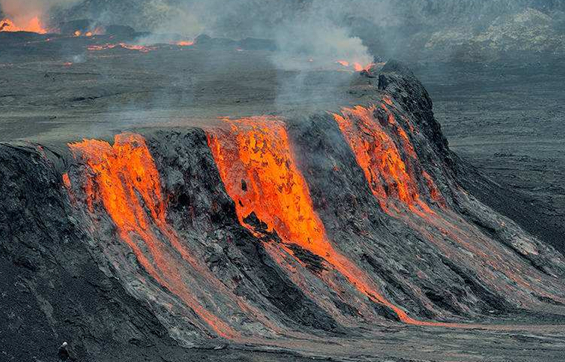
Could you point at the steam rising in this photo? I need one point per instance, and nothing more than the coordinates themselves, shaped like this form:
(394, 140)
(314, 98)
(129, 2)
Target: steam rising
(318, 41)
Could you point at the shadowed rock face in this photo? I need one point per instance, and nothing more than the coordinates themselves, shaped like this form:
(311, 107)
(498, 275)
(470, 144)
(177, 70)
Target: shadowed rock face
(261, 231)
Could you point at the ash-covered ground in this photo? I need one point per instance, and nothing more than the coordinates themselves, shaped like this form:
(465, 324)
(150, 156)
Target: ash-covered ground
(507, 119)
(49, 88)
(171, 240)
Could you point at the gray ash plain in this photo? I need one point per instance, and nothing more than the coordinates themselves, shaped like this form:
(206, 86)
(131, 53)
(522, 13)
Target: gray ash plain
(508, 120)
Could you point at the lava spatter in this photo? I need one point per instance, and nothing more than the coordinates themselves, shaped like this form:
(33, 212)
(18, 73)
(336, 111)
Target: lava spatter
(256, 164)
(124, 180)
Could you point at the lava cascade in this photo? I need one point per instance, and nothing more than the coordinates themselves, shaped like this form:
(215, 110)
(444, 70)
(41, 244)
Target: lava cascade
(385, 154)
(125, 181)
(383, 160)
(257, 166)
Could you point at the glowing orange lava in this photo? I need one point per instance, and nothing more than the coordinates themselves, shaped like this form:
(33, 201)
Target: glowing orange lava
(125, 182)
(185, 43)
(256, 164)
(140, 48)
(33, 26)
(66, 180)
(360, 67)
(377, 146)
(380, 158)
(95, 48)
(354, 66)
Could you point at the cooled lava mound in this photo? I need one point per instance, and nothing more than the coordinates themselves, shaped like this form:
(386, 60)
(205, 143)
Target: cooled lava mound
(336, 234)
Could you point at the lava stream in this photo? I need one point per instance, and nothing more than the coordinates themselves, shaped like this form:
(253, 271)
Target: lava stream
(387, 171)
(380, 158)
(140, 48)
(125, 181)
(256, 164)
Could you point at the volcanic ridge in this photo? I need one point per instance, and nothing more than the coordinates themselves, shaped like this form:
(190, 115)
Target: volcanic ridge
(332, 233)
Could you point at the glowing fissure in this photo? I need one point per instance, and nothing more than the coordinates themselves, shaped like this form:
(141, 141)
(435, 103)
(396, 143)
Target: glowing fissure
(257, 167)
(125, 181)
(33, 25)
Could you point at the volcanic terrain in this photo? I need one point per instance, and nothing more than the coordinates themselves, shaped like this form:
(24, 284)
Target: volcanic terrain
(190, 201)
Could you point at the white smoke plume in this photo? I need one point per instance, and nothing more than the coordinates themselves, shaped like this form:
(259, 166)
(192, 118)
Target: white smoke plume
(318, 44)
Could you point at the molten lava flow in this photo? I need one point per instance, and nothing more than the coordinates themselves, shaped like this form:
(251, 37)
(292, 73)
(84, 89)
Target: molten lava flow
(377, 145)
(355, 66)
(185, 43)
(360, 67)
(95, 48)
(140, 48)
(380, 158)
(33, 26)
(125, 181)
(66, 180)
(256, 164)
(259, 156)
